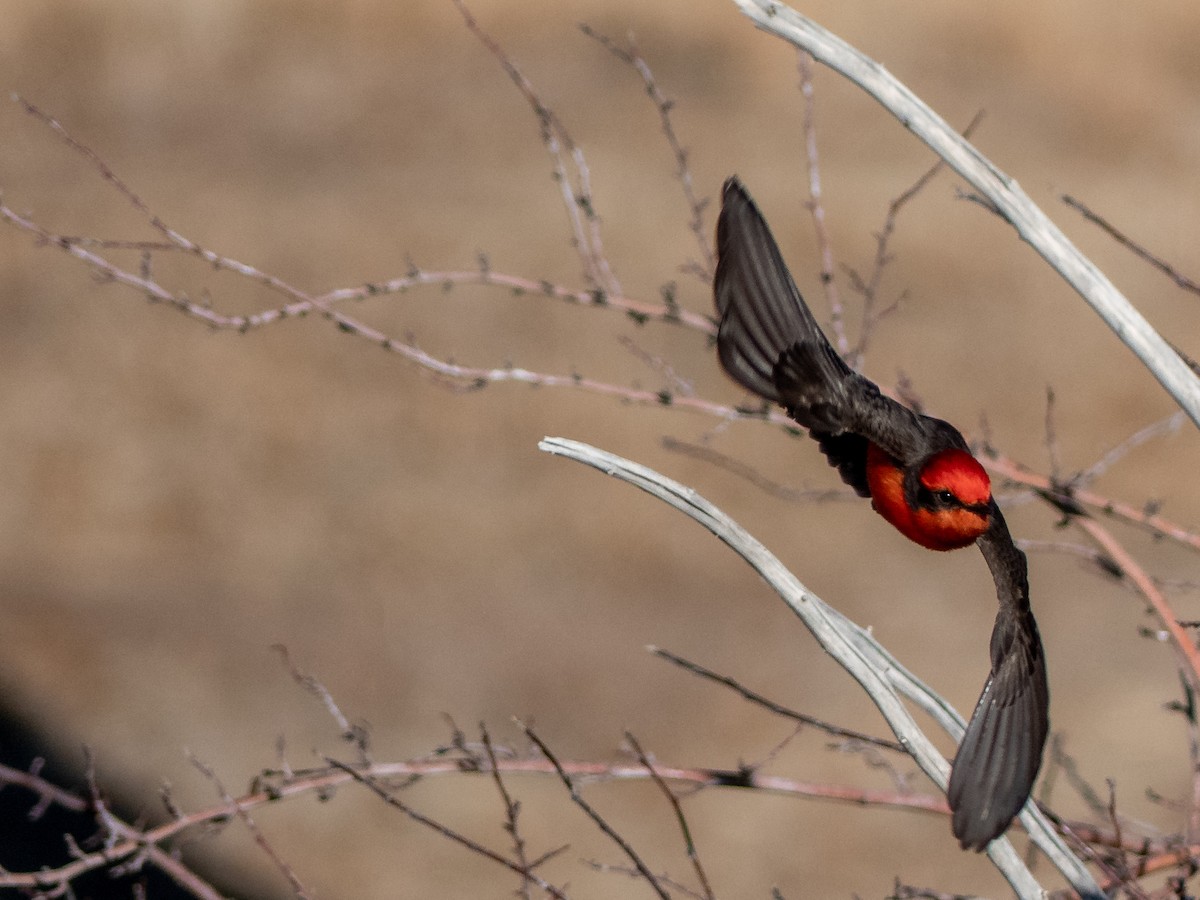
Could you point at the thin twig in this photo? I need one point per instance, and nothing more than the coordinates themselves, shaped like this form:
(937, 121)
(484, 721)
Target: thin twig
(592, 814)
(778, 709)
(1137, 249)
(684, 829)
(880, 674)
(580, 207)
(391, 799)
(1051, 438)
(869, 287)
(512, 810)
(1030, 223)
(696, 206)
(355, 734)
(1162, 427)
(833, 297)
(259, 838)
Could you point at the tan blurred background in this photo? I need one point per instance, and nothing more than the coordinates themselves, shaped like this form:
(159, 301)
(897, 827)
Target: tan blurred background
(176, 501)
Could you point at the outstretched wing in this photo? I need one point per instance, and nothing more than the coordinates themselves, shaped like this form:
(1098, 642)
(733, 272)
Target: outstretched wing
(1001, 752)
(769, 342)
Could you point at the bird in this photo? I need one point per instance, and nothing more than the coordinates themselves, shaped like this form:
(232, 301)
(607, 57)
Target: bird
(920, 476)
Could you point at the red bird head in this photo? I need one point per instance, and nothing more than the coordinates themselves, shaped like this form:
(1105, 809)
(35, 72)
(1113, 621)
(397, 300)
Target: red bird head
(951, 506)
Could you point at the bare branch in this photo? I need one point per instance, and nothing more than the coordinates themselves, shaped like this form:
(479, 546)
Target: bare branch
(766, 703)
(512, 811)
(684, 828)
(1012, 203)
(592, 814)
(837, 322)
(632, 57)
(580, 207)
(869, 287)
(389, 797)
(243, 814)
(355, 734)
(1169, 425)
(880, 674)
(1138, 250)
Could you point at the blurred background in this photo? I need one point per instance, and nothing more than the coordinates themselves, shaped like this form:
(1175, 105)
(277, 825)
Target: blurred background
(176, 500)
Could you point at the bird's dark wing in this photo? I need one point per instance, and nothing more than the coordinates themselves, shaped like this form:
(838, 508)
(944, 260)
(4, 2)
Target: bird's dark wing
(769, 342)
(846, 452)
(1001, 752)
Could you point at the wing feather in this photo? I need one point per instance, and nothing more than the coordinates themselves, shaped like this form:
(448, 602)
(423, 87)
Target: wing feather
(1001, 752)
(769, 342)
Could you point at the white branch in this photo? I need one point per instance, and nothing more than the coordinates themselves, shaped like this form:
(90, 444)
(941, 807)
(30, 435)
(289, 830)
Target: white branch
(1033, 226)
(872, 666)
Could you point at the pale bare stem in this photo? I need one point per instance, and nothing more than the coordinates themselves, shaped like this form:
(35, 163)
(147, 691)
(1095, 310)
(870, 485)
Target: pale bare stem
(176, 240)
(837, 322)
(465, 376)
(1162, 427)
(1001, 191)
(684, 829)
(632, 57)
(596, 818)
(178, 872)
(606, 277)
(636, 310)
(512, 810)
(558, 142)
(389, 797)
(243, 813)
(81, 248)
(1137, 249)
(882, 676)
(104, 818)
(770, 705)
(92, 157)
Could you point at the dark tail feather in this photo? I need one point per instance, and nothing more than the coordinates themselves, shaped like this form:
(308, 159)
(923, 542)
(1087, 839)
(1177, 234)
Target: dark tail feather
(763, 317)
(1001, 752)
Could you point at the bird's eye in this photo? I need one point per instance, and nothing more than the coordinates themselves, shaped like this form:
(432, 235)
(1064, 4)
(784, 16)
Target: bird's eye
(945, 498)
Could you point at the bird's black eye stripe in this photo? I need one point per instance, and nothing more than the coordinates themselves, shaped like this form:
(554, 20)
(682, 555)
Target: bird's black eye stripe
(937, 499)
(934, 499)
